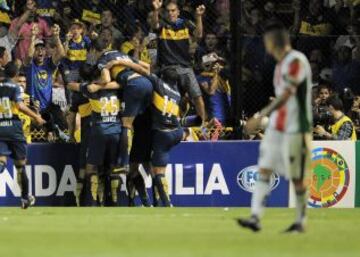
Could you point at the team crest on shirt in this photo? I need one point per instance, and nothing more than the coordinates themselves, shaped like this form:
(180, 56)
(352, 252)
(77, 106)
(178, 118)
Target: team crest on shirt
(330, 178)
(42, 77)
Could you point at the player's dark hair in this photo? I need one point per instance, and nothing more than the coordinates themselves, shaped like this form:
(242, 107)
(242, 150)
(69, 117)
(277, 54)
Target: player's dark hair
(86, 72)
(169, 75)
(279, 32)
(99, 45)
(11, 70)
(336, 103)
(2, 51)
(175, 2)
(107, 10)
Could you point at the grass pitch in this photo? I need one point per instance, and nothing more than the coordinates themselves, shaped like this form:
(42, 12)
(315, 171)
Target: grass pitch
(176, 232)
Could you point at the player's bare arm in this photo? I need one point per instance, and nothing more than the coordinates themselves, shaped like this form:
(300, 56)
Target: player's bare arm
(27, 111)
(157, 4)
(92, 88)
(200, 11)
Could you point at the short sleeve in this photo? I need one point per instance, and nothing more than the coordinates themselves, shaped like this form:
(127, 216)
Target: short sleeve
(17, 94)
(295, 72)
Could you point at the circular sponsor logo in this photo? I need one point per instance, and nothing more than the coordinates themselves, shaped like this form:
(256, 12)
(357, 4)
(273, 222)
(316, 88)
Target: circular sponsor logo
(329, 179)
(247, 178)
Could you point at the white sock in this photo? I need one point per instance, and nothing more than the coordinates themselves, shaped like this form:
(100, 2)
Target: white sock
(258, 200)
(301, 204)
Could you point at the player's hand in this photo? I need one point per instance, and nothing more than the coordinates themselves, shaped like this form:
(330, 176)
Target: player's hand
(93, 88)
(55, 30)
(51, 137)
(39, 120)
(35, 30)
(253, 125)
(157, 4)
(200, 10)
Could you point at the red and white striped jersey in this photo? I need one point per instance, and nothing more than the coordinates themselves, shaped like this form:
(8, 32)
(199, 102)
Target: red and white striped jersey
(293, 73)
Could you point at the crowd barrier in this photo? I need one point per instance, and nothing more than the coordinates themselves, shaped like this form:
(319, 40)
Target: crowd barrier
(216, 174)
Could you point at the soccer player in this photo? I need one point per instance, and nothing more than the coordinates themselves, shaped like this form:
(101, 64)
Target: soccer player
(166, 129)
(80, 104)
(286, 144)
(136, 92)
(12, 140)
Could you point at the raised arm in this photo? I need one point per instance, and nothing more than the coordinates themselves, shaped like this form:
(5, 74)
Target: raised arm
(155, 23)
(60, 51)
(31, 50)
(200, 10)
(14, 32)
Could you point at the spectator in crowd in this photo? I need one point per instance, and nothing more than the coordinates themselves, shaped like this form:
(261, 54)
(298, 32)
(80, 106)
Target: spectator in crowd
(173, 48)
(136, 44)
(107, 22)
(8, 38)
(351, 40)
(209, 45)
(107, 37)
(39, 75)
(315, 20)
(354, 114)
(346, 70)
(321, 113)
(4, 59)
(341, 14)
(76, 47)
(25, 30)
(343, 128)
(255, 24)
(216, 88)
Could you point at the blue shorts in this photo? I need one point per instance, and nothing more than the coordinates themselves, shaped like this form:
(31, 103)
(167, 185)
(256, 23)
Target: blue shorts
(103, 149)
(162, 143)
(13, 149)
(137, 95)
(141, 144)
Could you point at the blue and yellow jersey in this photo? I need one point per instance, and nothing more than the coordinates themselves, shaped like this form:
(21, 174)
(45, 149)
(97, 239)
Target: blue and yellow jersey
(46, 8)
(218, 104)
(119, 73)
(174, 43)
(128, 48)
(10, 124)
(39, 81)
(80, 104)
(26, 120)
(165, 105)
(105, 110)
(77, 53)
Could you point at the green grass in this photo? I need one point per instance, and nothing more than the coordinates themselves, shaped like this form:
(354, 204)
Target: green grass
(176, 232)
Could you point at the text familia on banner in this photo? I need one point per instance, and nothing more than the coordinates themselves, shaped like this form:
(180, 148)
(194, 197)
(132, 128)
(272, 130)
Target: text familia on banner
(200, 174)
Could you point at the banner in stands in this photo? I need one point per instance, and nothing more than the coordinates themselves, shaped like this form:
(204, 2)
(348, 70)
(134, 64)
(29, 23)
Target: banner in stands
(200, 174)
(332, 181)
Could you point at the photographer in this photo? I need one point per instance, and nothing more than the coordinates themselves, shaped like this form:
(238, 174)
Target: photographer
(321, 114)
(343, 128)
(354, 114)
(215, 87)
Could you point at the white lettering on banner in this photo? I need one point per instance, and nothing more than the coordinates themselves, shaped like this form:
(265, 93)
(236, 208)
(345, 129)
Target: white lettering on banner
(67, 176)
(199, 179)
(180, 189)
(40, 187)
(216, 181)
(67, 183)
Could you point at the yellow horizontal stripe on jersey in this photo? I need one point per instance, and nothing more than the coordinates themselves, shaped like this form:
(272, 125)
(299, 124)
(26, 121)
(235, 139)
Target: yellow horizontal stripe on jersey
(77, 54)
(169, 34)
(169, 108)
(97, 106)
(85, 110)
(14, 109)
(116, 70)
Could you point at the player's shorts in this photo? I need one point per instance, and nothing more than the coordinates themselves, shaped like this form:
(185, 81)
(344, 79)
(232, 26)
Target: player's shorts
(137, 95)
(141, 144)
(84, 146)
(288, 154)
(13, 149)
(162, 143)
(188, 82)
(103, 149)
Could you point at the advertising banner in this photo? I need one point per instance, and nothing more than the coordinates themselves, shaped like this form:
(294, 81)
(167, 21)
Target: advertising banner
(332, 178)
(200, 174)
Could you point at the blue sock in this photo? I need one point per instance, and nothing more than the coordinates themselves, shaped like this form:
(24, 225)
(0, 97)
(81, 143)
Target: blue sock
(162, 187)
(125, 146)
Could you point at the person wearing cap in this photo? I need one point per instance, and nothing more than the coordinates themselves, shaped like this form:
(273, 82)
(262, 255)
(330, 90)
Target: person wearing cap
(24, 34)
(76, 48)
(39, 71)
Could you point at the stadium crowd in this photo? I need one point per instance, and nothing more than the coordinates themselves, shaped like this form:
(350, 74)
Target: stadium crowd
(325, 30)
